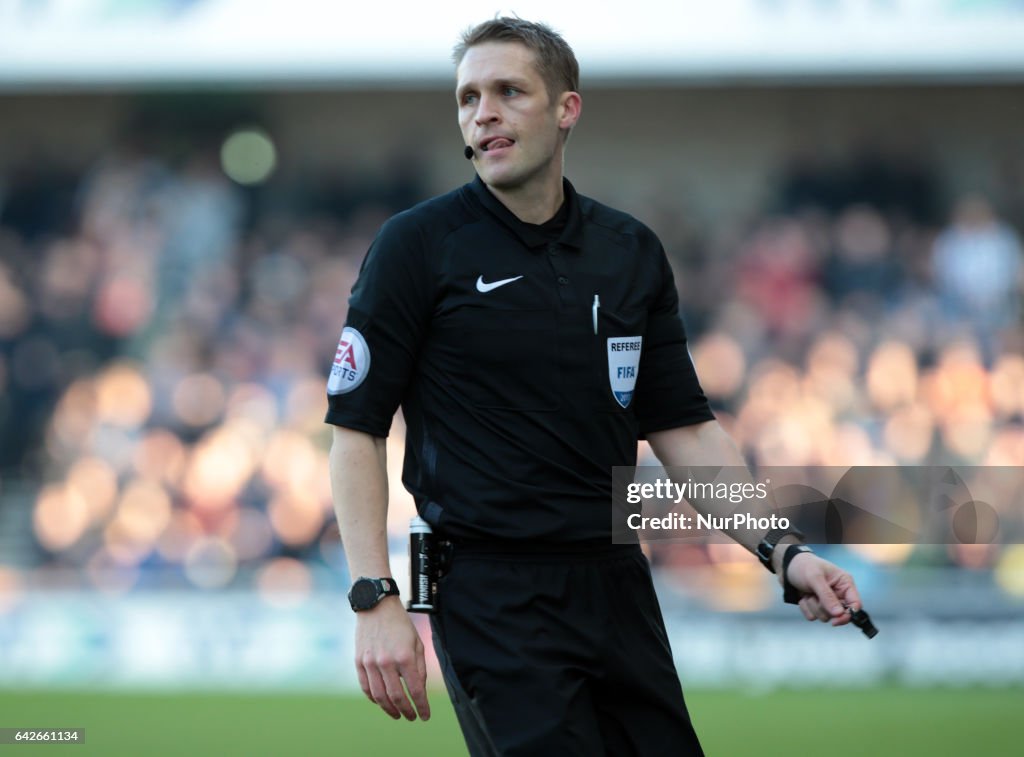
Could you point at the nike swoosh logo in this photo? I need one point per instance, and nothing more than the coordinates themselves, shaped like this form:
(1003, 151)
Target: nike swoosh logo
(482, 286)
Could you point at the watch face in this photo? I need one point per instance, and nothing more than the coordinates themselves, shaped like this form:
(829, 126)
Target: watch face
(364, 594)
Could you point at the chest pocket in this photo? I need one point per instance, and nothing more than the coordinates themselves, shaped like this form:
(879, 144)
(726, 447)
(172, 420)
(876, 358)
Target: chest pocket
(510, 359)
(616, 359)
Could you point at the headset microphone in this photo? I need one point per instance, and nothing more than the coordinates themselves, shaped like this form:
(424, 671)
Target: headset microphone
(468, 152)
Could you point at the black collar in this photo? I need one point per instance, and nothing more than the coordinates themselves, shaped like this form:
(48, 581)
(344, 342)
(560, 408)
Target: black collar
(529, 234)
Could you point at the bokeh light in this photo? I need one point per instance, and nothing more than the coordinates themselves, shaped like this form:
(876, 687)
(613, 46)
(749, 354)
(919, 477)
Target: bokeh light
(1007, 448)
(296, 519)
(832, 371)
(198, 399)
(123, 306)
(123, 396)
(304, 406)
(219, 466)
(720, 364)
(967, 430)
(1009, 573)
(892, 375)
(253, 402)
(248, 156)
(60, 517)
(210, 563)
(10, 588)
(184, 529)
(291, 463)
(959, 383)
(973, 556)
(250, 534)
(909, 432)
(160, 455)
(883, 554)
(1008, 385)
(143, 512)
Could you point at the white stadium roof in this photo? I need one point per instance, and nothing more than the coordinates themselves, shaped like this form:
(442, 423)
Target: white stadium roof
(99, 43)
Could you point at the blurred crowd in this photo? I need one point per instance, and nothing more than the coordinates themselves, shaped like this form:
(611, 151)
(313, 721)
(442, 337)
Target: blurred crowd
(165, 336)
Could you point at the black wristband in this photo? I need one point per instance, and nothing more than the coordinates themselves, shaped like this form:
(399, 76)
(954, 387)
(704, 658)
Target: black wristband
(766, 547)
(790, 594)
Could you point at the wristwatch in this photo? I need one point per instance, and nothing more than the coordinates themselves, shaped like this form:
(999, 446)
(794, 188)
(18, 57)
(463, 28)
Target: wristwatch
(766, 547)
(366, 593)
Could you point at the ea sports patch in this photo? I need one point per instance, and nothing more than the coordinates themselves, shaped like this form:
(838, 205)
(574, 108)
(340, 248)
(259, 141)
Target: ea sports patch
(623, 366)
(351, 363)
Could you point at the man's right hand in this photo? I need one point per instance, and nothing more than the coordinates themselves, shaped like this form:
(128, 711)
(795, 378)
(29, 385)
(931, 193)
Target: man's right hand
(389, 651)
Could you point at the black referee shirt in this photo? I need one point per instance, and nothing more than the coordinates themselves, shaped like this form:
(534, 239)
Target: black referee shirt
(526, 364)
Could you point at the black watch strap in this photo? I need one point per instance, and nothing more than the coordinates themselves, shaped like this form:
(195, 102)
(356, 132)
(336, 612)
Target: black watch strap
(790, 594)
(766, 547)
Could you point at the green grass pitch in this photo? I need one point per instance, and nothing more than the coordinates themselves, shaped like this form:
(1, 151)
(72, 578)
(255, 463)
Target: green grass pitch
(884, 721)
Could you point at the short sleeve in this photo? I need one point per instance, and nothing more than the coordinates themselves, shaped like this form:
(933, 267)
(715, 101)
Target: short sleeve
(669, 394)
(388, 315)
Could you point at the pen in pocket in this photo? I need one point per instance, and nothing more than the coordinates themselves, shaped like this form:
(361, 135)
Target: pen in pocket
(597, 304)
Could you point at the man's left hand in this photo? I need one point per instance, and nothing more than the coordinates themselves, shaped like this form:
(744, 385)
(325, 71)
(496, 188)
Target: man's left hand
(825, 587)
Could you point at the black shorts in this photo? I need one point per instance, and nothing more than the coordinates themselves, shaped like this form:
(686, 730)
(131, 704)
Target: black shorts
(559, 654)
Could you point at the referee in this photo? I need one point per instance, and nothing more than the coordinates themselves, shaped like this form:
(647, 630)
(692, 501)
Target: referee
(530, 335)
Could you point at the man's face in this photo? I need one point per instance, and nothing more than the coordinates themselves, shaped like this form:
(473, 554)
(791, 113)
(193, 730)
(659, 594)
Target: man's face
(505, 113)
